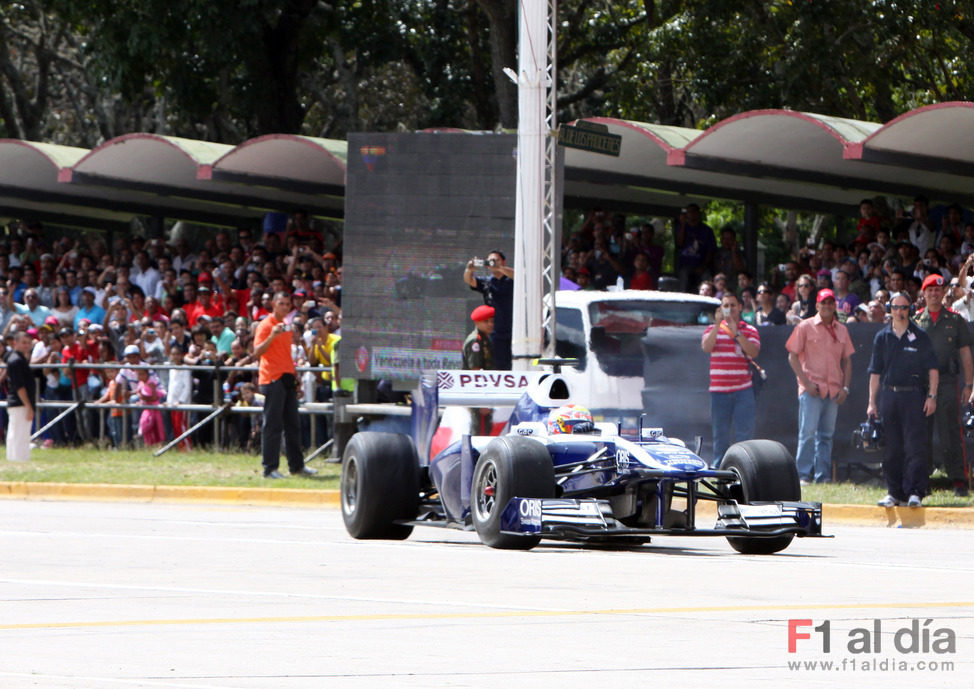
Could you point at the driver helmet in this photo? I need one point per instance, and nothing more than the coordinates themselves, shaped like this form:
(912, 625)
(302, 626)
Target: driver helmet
(571, 418)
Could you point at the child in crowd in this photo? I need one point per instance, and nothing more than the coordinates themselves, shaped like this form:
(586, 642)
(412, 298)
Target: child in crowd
(150, 422)
(249, 424)
(113, 394)
(180, 392)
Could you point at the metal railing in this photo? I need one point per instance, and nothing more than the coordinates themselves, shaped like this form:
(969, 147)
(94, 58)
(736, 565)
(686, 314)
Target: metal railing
(342, 413)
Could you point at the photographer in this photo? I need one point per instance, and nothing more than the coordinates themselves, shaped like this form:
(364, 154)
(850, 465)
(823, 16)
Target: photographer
(498, 291)
(278, 384)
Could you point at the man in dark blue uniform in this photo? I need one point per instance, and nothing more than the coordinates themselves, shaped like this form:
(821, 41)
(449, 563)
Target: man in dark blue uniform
(903, 377)
(498, 291)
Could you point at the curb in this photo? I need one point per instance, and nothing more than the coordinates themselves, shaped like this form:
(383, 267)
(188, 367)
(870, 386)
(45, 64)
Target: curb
(290, 497)
(861, 515)
(899, 517)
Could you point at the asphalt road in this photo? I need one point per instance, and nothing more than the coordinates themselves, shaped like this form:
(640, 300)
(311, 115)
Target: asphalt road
(123, 595)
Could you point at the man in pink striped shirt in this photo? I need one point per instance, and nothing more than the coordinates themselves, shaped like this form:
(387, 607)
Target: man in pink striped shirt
(730, 342)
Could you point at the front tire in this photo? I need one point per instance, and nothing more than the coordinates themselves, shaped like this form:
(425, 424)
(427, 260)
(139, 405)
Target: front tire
(767, 473)
(510, 467)
(379, 485)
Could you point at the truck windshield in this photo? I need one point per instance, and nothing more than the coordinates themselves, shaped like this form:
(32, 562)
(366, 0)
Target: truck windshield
(618, 328)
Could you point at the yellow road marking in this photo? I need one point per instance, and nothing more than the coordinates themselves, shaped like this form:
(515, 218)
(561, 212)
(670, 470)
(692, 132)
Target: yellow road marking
(369, 617)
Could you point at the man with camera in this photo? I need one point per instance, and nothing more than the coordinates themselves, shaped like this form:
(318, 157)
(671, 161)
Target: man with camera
(903, 382)
(952, 340)
(819, 351)
(498, 291)
(730, 342)
(279, 385)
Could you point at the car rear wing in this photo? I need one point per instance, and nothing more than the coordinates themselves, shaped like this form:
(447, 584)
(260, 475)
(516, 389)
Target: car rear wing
(475, 389)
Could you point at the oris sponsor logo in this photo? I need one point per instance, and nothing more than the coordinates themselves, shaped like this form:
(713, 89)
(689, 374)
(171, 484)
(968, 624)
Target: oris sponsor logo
(530, 511)
(622, 460)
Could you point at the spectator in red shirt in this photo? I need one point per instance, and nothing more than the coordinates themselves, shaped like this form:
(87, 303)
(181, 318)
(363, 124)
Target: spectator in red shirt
(203, 307)
(641, 277)
(260, 305)
(731, 342)
(74, 351)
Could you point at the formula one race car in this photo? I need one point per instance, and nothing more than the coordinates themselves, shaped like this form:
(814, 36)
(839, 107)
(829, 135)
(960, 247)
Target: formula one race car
(555, 473)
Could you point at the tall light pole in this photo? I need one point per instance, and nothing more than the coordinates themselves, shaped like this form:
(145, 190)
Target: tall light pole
(535, 237)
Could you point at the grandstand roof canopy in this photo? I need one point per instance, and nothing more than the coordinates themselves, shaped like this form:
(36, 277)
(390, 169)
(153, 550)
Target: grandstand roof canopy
(165, 176)
(785, 159)
(780, 158)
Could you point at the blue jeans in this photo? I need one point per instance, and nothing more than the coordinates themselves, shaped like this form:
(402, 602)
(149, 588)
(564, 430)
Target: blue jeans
(731, 409)
(816, 426)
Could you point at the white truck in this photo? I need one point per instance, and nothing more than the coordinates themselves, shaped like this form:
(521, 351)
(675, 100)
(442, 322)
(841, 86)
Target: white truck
(604, 331)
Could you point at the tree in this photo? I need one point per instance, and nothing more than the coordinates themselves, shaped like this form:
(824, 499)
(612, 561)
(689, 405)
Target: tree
(80, 71)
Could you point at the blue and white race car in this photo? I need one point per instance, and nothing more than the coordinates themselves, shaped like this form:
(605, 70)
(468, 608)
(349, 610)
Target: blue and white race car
(555, 473)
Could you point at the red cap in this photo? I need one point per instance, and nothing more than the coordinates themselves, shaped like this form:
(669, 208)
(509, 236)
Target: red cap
(482, 313)
(824, 294)
(933, 280)
(205, 277)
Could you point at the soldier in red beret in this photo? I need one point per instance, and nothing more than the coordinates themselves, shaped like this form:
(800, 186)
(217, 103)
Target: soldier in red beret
(477, 351)
(478, 354)
(951, 337)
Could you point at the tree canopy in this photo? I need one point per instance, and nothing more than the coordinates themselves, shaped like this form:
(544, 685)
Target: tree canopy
(82, 71)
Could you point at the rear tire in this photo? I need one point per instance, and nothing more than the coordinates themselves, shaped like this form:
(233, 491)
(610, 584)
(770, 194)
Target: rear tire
(768, 473)
(379, 485)
(511, 466)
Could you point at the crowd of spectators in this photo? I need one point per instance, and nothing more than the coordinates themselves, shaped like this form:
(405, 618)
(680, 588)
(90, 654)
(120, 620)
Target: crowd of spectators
(148, 302)
(892, 251)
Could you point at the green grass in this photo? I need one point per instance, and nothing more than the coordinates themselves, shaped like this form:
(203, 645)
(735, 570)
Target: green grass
(867, 494)
(174, 468)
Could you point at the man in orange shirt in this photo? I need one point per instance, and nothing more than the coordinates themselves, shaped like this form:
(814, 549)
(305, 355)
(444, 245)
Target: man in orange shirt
(279, 385)
(819, 351)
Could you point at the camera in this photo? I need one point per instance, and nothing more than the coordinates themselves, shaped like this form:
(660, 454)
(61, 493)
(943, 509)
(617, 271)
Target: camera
(491, 262)
(478, 263)
(969, 421)
(868, 437)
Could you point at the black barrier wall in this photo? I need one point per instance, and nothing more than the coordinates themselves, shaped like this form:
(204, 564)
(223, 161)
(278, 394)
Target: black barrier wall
(676, 378)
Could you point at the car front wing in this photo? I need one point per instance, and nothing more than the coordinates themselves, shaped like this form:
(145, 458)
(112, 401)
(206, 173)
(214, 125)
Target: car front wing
(570, 519)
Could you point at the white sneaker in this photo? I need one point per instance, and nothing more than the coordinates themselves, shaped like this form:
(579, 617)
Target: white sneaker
(888, 501)
(915, 501)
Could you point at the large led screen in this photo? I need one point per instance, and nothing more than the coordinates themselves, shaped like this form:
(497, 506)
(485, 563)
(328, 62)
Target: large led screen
(417, 208)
